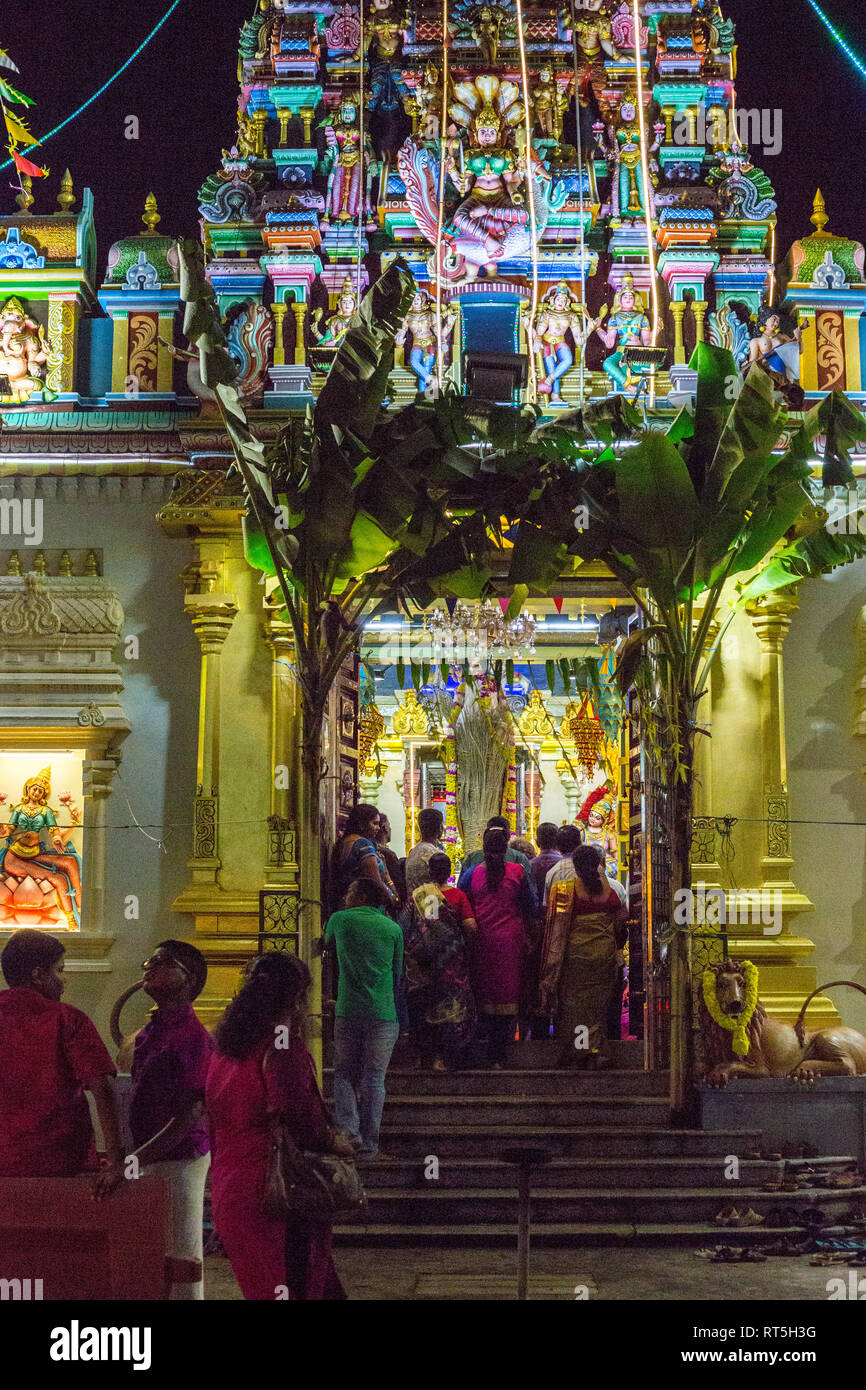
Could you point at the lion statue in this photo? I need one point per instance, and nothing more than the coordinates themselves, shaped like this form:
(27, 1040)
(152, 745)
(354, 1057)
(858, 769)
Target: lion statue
(742, 1040)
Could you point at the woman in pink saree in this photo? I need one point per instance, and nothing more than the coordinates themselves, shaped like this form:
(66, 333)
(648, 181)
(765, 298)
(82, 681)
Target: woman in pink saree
(504, 907)
(249, 1079)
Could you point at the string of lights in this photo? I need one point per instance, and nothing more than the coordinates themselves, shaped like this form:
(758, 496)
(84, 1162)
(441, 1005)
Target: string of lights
(530, 189)
(846, 48)
(105, 86)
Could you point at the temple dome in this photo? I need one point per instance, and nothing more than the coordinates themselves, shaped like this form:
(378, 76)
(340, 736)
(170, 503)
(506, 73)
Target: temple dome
(822, 254)
(147, 260)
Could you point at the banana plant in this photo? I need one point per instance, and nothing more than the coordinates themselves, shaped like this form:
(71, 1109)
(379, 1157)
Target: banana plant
(696, 524)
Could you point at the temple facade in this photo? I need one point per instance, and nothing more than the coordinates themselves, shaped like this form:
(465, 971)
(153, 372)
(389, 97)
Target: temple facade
(580, 198)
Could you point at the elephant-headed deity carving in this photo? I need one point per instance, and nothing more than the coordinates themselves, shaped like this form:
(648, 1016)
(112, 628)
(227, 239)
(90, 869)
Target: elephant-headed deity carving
(23, 352)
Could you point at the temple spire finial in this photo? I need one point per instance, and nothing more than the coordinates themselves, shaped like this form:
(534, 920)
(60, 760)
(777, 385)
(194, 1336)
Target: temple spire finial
(151, 217)
(819, 218)
(66, 196)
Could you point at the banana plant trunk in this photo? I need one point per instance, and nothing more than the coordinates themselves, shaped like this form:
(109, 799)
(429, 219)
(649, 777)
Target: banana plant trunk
(682, 1041)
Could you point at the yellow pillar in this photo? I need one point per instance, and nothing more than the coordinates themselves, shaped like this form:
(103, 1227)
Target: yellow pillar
(279, 313)
(260, 120)
(165, 361)
(63, 315)
(678, 309)
(771, 621)
(306, 114)
(285, 116)
(699, 307)
(852, 351)
(119, 352)
(692, 120)
(299, 309)
(211, 615)
(809, 355)
(282, 865)
(668, 114)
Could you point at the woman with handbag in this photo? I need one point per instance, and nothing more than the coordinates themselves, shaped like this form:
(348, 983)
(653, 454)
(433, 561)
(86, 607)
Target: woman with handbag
(265, 1111)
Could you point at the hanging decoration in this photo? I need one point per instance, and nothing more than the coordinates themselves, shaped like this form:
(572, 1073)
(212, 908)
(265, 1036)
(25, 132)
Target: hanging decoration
(16, 131)
(371, 727)
(481, 632)
(588, 734)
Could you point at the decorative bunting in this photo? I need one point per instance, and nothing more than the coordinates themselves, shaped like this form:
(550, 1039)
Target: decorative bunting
(503, 604)
(557, 603)
(450, 604)
(6, 61)
(24, 166)
(18, 132)
(11, 94)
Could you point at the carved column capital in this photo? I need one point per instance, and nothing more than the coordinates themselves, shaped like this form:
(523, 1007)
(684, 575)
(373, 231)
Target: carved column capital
(211, 616)
(771, 619)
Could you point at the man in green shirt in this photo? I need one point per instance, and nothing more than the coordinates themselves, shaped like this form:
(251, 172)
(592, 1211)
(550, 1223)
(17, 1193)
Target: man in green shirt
(369, 949)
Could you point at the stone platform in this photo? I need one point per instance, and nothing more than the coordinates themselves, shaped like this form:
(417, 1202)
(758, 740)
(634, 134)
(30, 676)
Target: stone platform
(827, 1116)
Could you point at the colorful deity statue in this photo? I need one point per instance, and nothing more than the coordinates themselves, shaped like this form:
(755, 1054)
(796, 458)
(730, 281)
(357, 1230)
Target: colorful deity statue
(628, 326)
(348, 196)
(427, 343)
(388, 91)
(30, 872)
(549, 104)
(559, 315)
(491, 223)
(592, 28)
(628, 195)
(597, 816)
(778, 353)
(338, 321)
(23, 351)
(427, 103)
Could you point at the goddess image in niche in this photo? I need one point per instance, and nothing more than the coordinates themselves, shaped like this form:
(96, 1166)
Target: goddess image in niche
(491, 222)
(39, 886)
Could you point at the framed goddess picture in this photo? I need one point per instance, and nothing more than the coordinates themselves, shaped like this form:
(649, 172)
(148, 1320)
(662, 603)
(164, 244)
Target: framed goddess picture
(40, 840)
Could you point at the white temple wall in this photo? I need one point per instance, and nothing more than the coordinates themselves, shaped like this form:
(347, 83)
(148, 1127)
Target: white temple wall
(826, 778)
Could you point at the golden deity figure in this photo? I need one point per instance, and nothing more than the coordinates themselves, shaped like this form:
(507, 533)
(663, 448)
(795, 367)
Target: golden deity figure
(32, 876)
(427, 345)
(559, 315)
(338, 321)
(427, 103)
(23, 352)
(592, 29)
(549, 104)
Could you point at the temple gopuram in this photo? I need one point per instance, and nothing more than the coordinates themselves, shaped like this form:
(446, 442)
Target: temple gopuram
(581, 198)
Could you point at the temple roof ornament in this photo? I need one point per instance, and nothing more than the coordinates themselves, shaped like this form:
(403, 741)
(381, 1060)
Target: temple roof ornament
(147, 260)
(818, 258)
(16, 254)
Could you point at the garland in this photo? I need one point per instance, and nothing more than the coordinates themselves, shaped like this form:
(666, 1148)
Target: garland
(737, 1026)
(452, 829)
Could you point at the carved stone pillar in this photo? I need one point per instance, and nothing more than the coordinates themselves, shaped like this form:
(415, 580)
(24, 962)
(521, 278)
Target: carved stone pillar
(699, 307)
(571, 789)
(285, 753)
(211, 615)
(771, 621)
(279, 313)
(678, 309)
(299, 309)
(98, 775)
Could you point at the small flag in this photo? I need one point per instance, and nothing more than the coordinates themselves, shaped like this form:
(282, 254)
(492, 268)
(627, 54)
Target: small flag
(503, 604)
(11, 94)
(557, 603)
(24, 166)
(6, 61)
(450, 604)
(17, 130)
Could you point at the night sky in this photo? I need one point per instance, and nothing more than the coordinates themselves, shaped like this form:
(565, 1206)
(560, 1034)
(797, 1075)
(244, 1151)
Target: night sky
(183, 89)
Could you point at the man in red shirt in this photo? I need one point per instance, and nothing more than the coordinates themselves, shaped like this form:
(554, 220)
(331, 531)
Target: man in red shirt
(50, 1053)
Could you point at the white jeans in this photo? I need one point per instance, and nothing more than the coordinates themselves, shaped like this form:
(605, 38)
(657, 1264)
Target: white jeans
(186, 1178)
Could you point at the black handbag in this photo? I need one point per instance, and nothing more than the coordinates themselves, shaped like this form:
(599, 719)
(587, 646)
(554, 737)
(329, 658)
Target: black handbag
(317, 1188)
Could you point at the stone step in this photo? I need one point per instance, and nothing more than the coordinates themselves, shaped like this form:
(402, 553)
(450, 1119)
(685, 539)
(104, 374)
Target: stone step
(632, 1112)
(631, 1174)
(476, 1140)
(402, 1081)
(539, 1081)
(550, 1206)
(579, 1235)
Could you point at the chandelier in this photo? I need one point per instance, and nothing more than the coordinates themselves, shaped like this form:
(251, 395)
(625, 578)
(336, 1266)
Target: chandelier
(480, 632)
